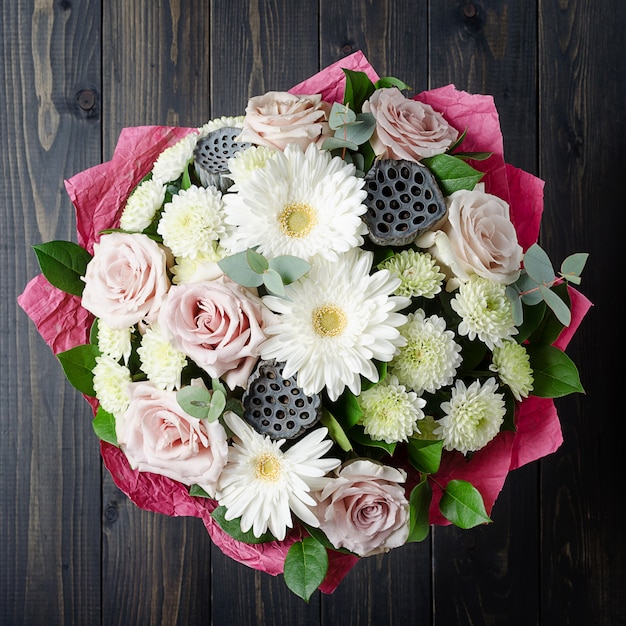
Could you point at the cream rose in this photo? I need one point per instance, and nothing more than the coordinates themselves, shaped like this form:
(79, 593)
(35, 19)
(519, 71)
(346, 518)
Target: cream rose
(365, 508)
(477, 238)
(407, 129)
(157, 436)
(126, 280)
(279, 118)
(218, 324)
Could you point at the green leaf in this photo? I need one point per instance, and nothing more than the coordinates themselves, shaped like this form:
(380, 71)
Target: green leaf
(306, 565)
(335, 431)
(78, 364)
(538, 265)
(474, 156)
(256, 262)
(559, 308)
(197, 492)
(236, 267)
(233, 528)
(340, 115)
(357, 434)
(63, 263)
(104, 426)
(419, 506)
(389, 81)
(186, 181)
(533, 318)
(358, 89)
(555, 374)
(424, 454)
(290, 268)
(452, 173)
(274, 283)
(462, 504)
(348, 411)
(194, 400)
(573, 266)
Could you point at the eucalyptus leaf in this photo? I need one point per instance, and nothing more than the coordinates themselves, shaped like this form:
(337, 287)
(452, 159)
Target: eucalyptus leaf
(305, 568)
(274, 283)
(104, 426)
(236, 267)
(554, 374)
(63, 263)
(194, 400)
(517, 309)
(573, 266)
(290, 268)
(334, 143)
(528, 289)
(78, 363)
(419, 506)
(559, 308)
(233, 528)
(424, 454)
(452, 173)
(538, 265)
(340, 115)
(335, 431)
(462, 504)
(360, 131)
(218, 403)
(256, 262)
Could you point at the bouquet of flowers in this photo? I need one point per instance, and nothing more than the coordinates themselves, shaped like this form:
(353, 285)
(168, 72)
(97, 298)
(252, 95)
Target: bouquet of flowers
(321, 326)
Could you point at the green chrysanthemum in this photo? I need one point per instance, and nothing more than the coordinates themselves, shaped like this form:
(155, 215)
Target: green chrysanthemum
(418, 272)
(114, 342)
(512, 364)
(160, 361)
(110, 382)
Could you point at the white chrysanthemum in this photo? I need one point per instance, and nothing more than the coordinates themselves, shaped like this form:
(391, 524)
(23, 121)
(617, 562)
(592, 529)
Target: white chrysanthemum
(171, 163)
(335, 321)
(301, 203)
(160, 361)
(512, 364)
(248, 161)
(390, 412)
(110, 382)
(225, 121)
(114, 342)
(418, 272)
(192, 222)
(430, 357)
(485, 311)
(203, 267)
(263, 485)
(142, 205)
(473, 416)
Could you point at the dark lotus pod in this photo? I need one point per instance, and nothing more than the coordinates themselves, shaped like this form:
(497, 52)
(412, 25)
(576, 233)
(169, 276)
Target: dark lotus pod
(212, 153)
(276, 406)
(403, 201)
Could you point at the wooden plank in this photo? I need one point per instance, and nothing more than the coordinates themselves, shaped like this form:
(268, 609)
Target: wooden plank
(49, 475)
(582, 81)
(491, 48)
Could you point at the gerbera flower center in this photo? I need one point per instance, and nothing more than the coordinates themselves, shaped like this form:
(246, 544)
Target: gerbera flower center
(329, 320)
(297, 220)
(267, 467)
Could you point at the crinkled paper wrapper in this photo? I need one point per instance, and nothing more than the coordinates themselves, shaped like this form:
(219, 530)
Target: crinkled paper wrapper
(99, 194)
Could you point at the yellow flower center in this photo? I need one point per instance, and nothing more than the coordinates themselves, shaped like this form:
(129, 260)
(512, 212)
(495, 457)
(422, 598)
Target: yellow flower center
(329, 320)
(267, 467)
(297, 220)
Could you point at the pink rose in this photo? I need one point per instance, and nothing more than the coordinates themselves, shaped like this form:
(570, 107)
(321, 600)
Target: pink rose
(407, 129)
(157, 436)
(477, 238)
(279, 118)
(218, 324)
(365, 509)
(126, 280)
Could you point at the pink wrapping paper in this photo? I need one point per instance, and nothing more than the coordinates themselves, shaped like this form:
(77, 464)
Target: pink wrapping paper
(98, 195)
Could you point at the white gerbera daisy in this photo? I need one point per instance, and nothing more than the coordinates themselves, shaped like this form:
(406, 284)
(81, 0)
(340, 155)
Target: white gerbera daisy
(160, 361)
(301, 203)
(110, 382)
(512, 364)
(390, 412)
(473, 416)
(334, 322)
(192, 222)
(114, 342)
(246, 162)
(430, 357)
(418, 272)
(142, 205)
(485, 311)
(263, 485)
(171, 163)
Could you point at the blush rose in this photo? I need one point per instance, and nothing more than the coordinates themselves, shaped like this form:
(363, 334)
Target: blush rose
(279, 118)
(157, 436)
(405, 128)
(478, 237)
(364, 509)
(126, 280)
(218, 324)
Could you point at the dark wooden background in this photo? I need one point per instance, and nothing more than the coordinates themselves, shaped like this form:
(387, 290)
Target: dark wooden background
(73, 549)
